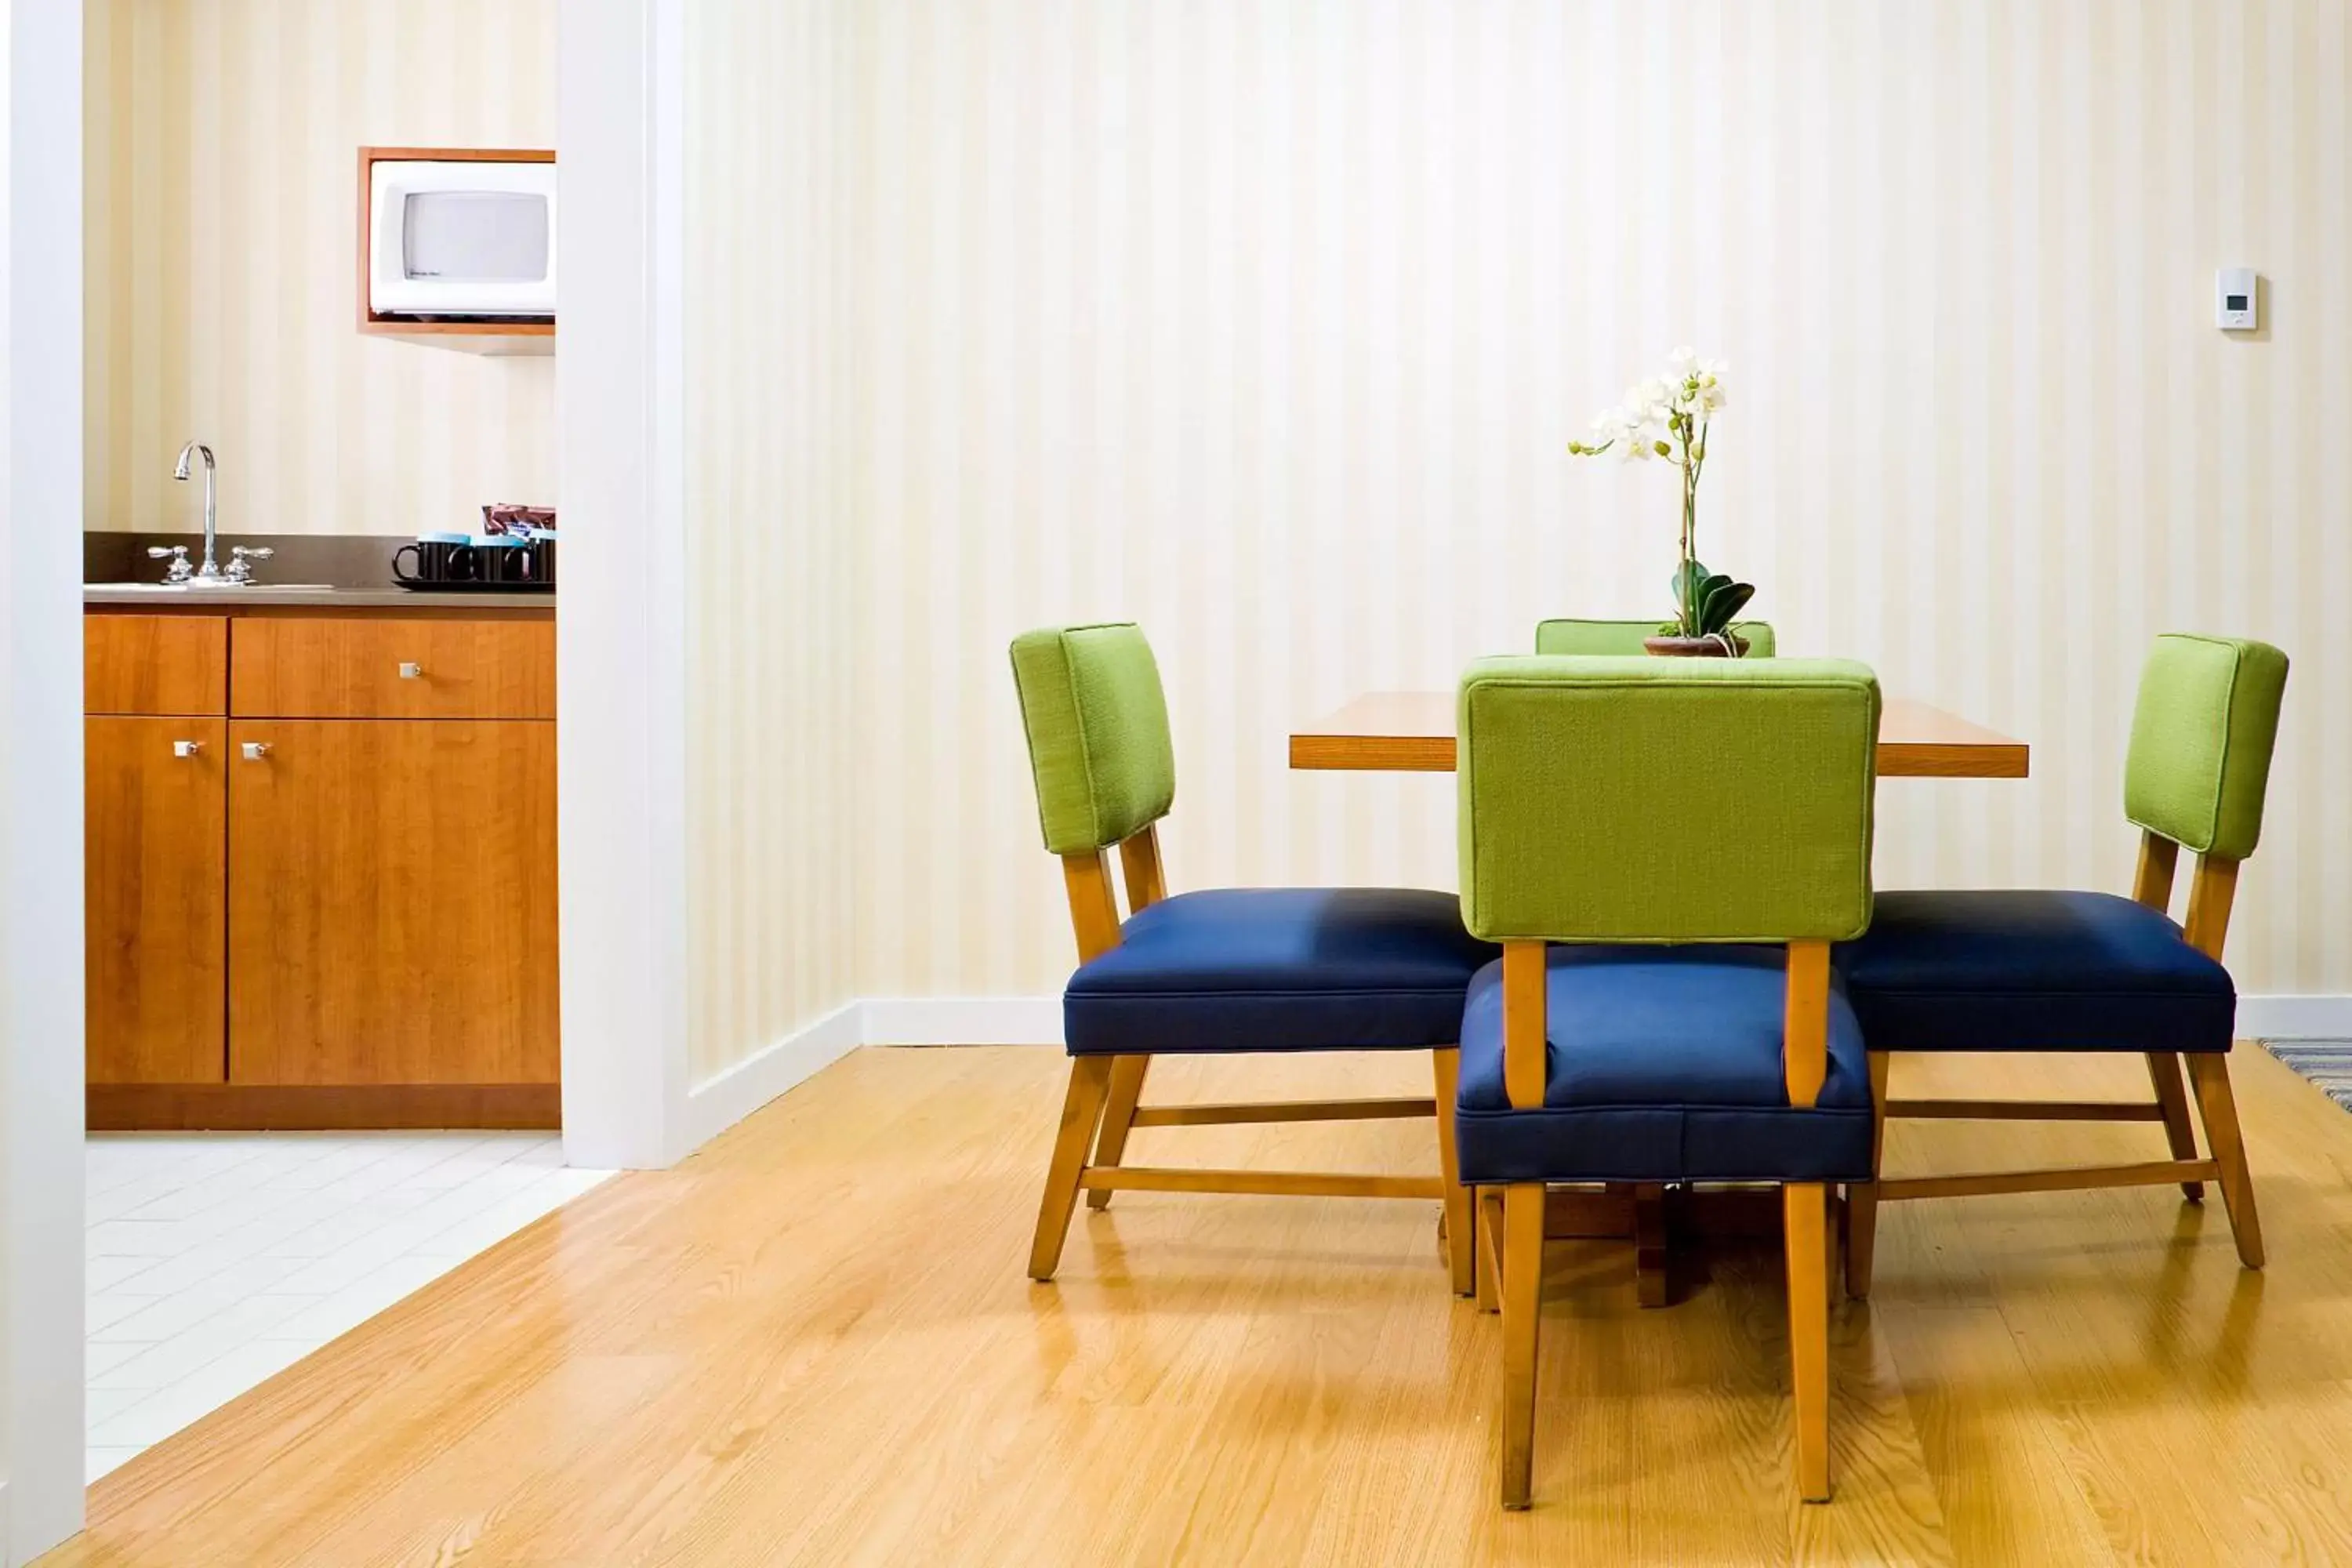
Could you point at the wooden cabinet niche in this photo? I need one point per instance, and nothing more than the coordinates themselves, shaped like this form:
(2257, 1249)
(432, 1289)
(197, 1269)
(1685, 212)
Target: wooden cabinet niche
(321, 870)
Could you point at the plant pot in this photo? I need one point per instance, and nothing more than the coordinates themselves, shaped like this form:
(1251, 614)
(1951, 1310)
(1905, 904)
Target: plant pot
(1695, 647)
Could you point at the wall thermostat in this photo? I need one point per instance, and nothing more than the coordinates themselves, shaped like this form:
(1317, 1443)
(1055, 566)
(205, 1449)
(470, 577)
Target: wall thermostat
(2233, 300)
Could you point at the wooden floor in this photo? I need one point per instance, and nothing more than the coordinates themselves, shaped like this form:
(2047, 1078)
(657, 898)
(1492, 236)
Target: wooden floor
(813, 1343)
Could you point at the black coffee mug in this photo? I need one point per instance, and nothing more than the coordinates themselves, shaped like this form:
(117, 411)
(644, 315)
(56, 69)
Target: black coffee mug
(440, 558)
(502, 558)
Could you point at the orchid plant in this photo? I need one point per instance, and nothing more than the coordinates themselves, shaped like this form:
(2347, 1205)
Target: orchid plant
(1668, 417)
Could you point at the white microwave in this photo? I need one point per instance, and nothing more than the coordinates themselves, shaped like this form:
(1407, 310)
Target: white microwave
(469, 238)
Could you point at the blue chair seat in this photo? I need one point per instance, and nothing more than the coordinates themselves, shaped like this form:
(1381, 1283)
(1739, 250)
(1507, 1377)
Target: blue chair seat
(2032, 971)
(1664, 1065)
(1279, 969)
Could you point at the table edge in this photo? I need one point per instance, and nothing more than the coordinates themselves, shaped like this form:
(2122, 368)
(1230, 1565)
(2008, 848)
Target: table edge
(1434, 754)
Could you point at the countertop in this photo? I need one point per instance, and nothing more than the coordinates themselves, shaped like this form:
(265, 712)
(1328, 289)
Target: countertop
(262, 593)
(117, 572)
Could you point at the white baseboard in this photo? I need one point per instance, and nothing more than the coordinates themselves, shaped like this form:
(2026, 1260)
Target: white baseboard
(717, 1104)
(962, 1020)
(2295, 1018)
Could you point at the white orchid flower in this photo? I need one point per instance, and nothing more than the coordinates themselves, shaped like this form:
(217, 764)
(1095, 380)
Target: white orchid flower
(1662, 416)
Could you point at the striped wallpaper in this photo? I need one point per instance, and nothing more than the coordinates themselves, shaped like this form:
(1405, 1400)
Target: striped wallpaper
(221, 139)
(771, 497)
(1267, 321)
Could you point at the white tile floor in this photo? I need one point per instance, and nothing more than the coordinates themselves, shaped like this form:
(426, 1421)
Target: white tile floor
(217, 1259)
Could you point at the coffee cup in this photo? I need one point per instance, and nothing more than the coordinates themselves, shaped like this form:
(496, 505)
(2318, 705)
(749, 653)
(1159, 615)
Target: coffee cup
(542, 553)
(503, 558)
(439, 558)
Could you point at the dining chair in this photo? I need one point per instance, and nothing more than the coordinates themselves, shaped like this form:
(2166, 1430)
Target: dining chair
(2088, 972)
(1665, 849)
(1566, 635)
(1220, 971)
(1561, 636)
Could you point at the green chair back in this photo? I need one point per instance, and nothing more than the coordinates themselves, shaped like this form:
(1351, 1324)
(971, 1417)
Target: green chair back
(1562, 637)
(1649, 800)
(1098, 725)
(2199, 762)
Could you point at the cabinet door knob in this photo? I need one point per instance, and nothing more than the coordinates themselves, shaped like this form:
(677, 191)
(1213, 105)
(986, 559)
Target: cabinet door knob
(186, 748)
(255, 750)
(412, 671)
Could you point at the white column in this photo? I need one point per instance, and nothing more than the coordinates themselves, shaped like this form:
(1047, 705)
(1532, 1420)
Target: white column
(41, 1227)
(621, 618)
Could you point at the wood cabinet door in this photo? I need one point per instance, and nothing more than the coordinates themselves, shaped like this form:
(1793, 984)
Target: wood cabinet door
(155, 664)
(155, 958)
(392, 901)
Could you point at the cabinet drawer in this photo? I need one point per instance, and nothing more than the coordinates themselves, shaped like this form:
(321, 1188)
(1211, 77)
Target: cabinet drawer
(325, 667)
(155, 664)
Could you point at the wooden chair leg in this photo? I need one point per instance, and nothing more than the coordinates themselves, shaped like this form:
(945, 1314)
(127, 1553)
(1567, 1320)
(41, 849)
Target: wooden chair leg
(1833, 1247)
(1461, 1217)
(2164, 1073)
(1119, 1117)
(2209, 1071)
(1862, 1197)
(1651, 1250)
(1081, 1110)
(1523, 1238)
(1805, 1215)
(1490, 1203)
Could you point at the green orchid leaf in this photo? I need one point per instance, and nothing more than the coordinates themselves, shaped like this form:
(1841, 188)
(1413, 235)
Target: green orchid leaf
(1723, 601)
(1687, 581)
(1713, 583)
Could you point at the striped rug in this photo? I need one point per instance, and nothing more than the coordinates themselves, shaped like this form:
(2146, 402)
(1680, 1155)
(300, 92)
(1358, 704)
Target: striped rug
(2327, 1063)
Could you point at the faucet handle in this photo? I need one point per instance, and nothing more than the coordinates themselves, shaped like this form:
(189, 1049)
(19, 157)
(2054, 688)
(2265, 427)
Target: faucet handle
(177, 554)
(240, 566)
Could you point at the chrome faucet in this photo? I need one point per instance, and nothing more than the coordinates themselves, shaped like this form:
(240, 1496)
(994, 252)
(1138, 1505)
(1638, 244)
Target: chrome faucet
(209, 575)
(210, 571)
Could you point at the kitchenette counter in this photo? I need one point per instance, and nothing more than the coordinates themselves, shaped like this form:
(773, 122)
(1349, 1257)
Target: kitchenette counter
(323, 574)
(157, 596)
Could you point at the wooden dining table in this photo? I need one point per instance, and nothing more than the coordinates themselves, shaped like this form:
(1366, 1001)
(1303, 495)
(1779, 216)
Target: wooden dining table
(1414, 733)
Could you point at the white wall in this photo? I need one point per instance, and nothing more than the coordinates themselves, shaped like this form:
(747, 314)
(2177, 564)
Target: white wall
(775, 527)
(620, 629)
(1267, 322)
(40, 780)
(223, 136)
(704, 151)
